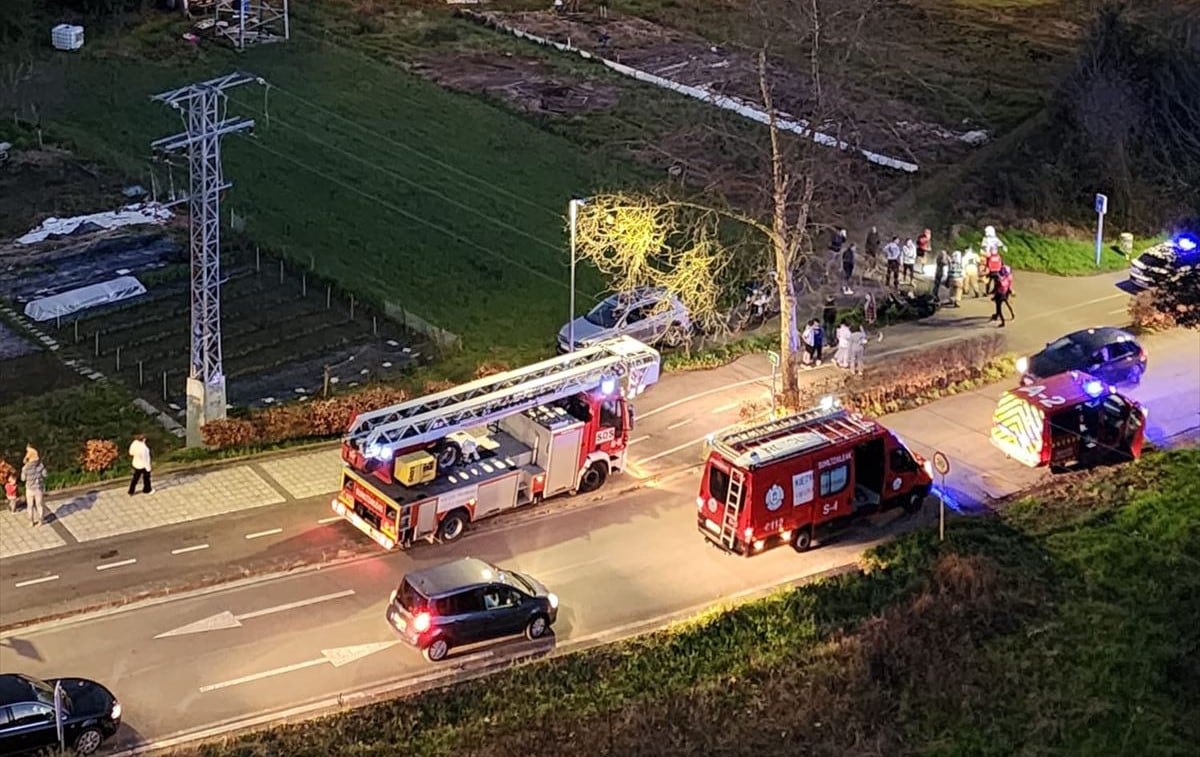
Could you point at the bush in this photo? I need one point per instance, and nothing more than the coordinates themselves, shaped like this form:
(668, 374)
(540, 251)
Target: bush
(98, 455)
(1146, 315)
(320, 418)
(490, 368)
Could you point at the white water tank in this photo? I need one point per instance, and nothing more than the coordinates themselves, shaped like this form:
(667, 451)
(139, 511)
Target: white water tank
(66, 37)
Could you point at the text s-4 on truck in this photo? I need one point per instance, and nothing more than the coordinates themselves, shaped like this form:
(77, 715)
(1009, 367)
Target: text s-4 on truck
(428, 467)
(779, 481)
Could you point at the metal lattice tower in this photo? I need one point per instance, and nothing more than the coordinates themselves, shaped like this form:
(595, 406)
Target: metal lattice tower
(243, 23)
(203, 106)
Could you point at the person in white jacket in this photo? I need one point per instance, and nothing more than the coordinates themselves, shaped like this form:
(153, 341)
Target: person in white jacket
(908, 259)
(858, 346)
(842, 356)
(139, 454)
(970, 264)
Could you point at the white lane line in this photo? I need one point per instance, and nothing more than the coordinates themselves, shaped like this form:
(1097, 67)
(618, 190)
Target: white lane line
(540, 574)
(323, 521)
(1116, 312)
(677, 424)
(294, 605)
(260, 534)
(33, 581)
(705, 393)
(120, 564)
(639, 439)
(671, 451)
(1075, 306)
(265, 674)
(726, 407)
(193, 548)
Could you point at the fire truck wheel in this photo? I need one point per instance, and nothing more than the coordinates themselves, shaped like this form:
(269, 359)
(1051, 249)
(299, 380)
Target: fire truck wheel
(915, 502)
(453, 525)
(437, 650)
(593, 478)
(447, 454)
(802, 541)
(538, 625)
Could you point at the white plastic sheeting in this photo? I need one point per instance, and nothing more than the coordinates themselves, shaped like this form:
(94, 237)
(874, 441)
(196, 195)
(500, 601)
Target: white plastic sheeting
(735, 104)
(66, 303)
(137, 214)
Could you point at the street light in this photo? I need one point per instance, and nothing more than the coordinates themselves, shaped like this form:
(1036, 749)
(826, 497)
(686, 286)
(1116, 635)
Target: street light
(573, 213)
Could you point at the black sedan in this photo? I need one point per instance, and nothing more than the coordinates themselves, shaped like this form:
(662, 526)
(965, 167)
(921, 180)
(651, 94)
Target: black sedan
(1162, 263)
(90, 714)
(1110, 354)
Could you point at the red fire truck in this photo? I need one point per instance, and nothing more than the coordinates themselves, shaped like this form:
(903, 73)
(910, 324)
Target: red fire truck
(778, 481)
(1069, 418)
(427, 467)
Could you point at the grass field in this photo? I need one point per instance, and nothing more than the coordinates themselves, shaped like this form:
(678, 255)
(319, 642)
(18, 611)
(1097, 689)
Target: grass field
(1029, 251)
(1068, 625)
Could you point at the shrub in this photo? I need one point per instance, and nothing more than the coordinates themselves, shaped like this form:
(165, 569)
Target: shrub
(231, 432)
(98, 455)
(490, 369)
(1146, 315)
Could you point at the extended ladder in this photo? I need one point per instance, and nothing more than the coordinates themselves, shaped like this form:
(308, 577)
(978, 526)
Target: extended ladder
(832, 424)
(488, 399)
(733, 508)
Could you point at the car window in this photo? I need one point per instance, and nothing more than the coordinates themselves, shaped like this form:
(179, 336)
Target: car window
(718, 483)
(4, 718)
(410, 598)
(834, 480)
(1100, 356)
(499, 597)
(28, 713)
(1123, 349)
(606, 314)
(902, 461)
(467, 602)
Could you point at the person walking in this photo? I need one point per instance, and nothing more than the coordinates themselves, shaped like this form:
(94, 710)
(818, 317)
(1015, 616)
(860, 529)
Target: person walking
(970, 266)
(924, 246)
(942, 262)
(837, 240)
(848, 259)
(955, 275)
(10, 491)
(807, 338)
(844, 337)
(1000, 294)
(139, 453)
(33, 473)
(908, 259)
(818, 342)
(893, 253)
(858, 347)
(871, 248)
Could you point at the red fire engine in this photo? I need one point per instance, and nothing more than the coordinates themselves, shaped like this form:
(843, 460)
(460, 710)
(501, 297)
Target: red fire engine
(429, 466)
(778, 481)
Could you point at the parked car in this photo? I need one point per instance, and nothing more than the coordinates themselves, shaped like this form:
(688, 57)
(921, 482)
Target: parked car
(1110, 354)
(1161, 263)
(468, 601)
(90, 714)
(649, 315)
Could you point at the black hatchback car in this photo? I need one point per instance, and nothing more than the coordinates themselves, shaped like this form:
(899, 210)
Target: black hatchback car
(1110, 354)
(468, 601)
(90, 714)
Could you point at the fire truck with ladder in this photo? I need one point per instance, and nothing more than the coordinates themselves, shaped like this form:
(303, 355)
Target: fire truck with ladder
(427, 467)
(778, 481)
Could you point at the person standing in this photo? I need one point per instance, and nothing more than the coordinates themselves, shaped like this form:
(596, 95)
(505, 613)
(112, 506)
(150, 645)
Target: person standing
(829, 318)
(872, 247)
(10, 491)
(858, 347)
(807, 338)
(837, 240)
(33, 473)
(844, 338)
(942, 262)
(848, 259)
(818, 342)
(893, 253)
(956, 278)
(908, 259)
(1001, 292)
(924, 246)
(139, 453)
(970, 266)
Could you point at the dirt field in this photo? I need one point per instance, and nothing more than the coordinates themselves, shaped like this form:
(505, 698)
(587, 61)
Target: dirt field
(527, 83)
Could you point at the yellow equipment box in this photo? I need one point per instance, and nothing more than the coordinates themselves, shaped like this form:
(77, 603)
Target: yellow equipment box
(415, 468)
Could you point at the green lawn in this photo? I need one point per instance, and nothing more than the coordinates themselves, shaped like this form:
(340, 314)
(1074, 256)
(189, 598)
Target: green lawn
(1068, 625)
(1027, 251)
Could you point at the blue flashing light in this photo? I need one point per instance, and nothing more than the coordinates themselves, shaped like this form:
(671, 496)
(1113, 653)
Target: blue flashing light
(608, 385)
(1093, 388)
(379, 452)
(1185, 243)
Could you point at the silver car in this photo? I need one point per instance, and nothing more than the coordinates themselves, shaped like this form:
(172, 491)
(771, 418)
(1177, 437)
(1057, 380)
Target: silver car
(651, 316)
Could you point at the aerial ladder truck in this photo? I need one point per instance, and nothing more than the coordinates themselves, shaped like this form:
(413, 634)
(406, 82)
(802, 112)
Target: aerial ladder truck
(426, 468)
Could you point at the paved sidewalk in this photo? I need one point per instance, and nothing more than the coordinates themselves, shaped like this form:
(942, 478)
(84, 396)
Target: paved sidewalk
(108, 510)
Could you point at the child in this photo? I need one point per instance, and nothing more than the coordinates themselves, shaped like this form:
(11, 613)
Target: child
(10, 491)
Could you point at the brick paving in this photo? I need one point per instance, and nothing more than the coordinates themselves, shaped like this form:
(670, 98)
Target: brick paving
(306, 475)
(18, 537)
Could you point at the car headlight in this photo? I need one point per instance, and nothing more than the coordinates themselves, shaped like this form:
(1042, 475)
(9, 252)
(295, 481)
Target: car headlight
(392, 596)
(552, 598)
(116, 711)
(1022, 364)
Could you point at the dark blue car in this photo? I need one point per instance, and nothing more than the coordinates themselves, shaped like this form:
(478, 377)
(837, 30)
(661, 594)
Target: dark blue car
(1110, 354)
(90, 714)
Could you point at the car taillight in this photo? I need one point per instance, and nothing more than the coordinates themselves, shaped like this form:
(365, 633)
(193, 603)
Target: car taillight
(421, 622)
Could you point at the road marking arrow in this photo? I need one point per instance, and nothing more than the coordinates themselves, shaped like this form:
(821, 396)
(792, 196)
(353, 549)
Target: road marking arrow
(337, 657)
(227, 619)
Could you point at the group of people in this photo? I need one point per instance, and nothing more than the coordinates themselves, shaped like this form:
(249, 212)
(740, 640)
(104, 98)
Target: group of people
(850, 344)
(33, 475)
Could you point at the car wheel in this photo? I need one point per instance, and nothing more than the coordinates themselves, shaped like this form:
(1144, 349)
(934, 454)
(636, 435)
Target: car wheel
(537, 628)
(447, 454)
(88, 741)
(914, 503)
(1135, 375)
(802, 540)
(675, 336)
(437, 650)
(593, 478)
(453, 525)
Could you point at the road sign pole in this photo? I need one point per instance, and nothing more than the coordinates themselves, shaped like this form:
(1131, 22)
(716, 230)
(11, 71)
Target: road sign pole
(941, 464)
(774, 358)
(1101, 209)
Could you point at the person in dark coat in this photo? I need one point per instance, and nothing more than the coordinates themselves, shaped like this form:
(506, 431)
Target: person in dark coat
(872, 246)
(829, 320)
(849, 256)
(942, 262)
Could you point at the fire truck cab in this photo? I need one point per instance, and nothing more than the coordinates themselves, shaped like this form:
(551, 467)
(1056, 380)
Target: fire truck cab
(1071, 418)
(778, 481)
(558, 426)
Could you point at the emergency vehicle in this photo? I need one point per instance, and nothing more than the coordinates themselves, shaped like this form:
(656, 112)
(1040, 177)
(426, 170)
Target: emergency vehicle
(427, 467)
(1068, 418)
(778, 481)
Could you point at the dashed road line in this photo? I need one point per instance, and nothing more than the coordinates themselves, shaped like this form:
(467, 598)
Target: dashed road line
(725, 408)
(677, 424)
(33, 581)
(193, 548)
(121, 564)
(260, 534)
(672, 450)
(638, 439)
(330, 519)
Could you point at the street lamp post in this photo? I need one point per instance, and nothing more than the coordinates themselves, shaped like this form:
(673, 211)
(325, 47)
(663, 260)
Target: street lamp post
(573, 214)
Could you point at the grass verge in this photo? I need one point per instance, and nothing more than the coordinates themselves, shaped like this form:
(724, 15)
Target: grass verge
(1068, 624)
(1060, 256)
